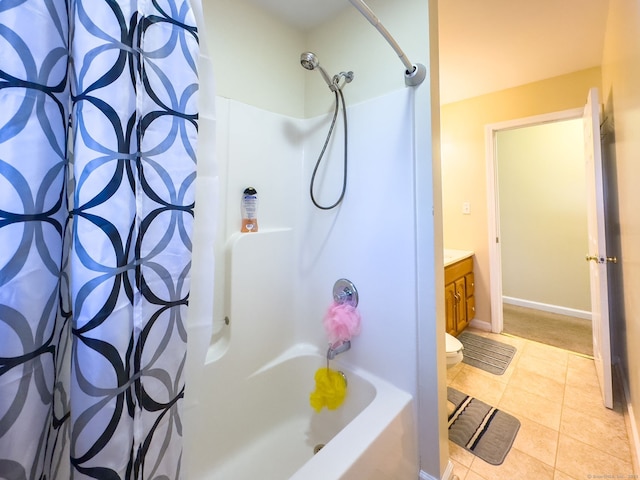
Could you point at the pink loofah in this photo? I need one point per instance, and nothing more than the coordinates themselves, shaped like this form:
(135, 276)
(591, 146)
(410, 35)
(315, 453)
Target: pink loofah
(341, 322)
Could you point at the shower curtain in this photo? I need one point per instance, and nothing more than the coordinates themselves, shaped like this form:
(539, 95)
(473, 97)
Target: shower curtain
(98, 128)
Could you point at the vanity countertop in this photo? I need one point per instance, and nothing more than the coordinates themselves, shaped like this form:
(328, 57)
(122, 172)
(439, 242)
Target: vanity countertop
(452, 256)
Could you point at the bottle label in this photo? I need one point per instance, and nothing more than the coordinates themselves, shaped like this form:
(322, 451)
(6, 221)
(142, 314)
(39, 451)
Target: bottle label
(249, 211)
(250, 203)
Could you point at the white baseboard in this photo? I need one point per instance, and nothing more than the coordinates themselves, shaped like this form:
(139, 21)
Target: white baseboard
(480, 325)
(448, 473)
(425, 476)
(545, 307)
(634, 437)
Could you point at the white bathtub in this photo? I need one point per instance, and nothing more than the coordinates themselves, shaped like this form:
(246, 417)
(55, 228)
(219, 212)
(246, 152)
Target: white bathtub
(262, 426)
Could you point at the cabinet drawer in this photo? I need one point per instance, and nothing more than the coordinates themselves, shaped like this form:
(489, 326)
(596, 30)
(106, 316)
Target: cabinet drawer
(458, 270)
(471, 308)
(470, 283)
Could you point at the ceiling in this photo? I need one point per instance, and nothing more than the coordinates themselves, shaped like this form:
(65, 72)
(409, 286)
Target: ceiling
(490, 45)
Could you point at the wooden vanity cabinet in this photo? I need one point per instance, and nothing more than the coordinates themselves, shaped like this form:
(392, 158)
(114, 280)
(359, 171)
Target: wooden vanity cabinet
(460, 305)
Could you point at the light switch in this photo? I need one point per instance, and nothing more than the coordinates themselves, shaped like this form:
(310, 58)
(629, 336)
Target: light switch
(466, 208)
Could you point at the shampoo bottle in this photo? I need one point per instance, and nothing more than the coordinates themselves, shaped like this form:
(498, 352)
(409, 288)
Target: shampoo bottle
(249, 209)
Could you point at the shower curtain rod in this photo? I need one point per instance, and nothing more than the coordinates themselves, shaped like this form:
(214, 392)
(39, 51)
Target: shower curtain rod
(414, 73)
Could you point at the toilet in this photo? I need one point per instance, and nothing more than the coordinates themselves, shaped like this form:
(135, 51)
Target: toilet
(454, 350)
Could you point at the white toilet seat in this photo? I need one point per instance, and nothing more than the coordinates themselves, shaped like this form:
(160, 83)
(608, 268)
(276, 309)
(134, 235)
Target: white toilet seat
(454, 349)
(453, 344)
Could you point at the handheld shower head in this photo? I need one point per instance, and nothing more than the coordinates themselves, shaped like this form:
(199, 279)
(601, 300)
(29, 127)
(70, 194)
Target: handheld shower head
(309, 61)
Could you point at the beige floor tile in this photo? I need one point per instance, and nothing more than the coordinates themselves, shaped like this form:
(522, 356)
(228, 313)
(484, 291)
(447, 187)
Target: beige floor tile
(547, 368)
(460, 455)
(562, 476)
(538, 384)
(453, 371)
(537, 441)
(575, 433)
(508, 373)
(459, 470)
(517, 342)
(587, 401)
(471, 381)
(522, 403)
(581, 461)
(608, 435)
(517, 465)
(584, 398)
(474, 476)
(546, 353)
(581, 372)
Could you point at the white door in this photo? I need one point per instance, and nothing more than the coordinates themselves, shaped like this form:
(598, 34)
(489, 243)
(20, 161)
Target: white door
(597, 255)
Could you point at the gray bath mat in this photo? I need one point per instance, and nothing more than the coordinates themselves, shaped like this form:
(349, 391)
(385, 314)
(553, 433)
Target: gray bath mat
(481, 429)
(489, 355)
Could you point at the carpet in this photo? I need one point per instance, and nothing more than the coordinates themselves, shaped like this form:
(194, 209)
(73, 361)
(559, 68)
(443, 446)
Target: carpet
(486, 354)
(563, 331)
(481, 429)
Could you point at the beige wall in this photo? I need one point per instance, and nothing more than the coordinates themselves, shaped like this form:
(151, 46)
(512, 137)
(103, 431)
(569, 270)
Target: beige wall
(621, 96)
(464, 164)
(256, 57)
(349, 42)
(543, 214)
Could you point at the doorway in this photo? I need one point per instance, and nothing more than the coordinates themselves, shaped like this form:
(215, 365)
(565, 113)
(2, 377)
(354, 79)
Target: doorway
(539, 203)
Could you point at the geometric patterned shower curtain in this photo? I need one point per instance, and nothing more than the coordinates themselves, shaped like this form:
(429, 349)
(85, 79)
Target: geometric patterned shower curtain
(98, 128)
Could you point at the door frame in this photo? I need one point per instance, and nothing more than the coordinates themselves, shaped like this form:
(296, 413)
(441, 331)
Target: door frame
(493, 204)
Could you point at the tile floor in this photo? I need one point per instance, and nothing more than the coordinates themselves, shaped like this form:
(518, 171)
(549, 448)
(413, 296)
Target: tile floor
(565, 432)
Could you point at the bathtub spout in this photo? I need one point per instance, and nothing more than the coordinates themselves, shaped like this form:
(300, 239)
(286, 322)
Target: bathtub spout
(337, 348)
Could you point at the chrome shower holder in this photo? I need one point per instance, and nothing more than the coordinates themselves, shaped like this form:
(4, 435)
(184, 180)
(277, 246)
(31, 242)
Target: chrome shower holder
(346, 76)
(309, 61)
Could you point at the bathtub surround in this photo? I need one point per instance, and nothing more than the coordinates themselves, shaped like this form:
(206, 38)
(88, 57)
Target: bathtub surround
(261, 263)
(96, 239)
(387, 213)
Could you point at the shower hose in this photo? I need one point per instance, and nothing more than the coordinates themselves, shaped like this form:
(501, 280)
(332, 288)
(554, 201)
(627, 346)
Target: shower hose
(339, 100)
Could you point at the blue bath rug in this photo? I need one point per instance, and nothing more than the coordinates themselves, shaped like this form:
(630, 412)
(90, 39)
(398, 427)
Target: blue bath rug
(481, 429)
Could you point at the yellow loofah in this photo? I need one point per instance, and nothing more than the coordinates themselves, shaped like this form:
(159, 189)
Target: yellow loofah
(330, 391)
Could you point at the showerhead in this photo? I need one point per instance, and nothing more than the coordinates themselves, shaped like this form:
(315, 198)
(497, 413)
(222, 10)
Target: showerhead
(309, 61)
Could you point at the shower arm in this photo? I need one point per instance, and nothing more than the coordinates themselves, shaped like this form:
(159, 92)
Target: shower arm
(414, 73)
